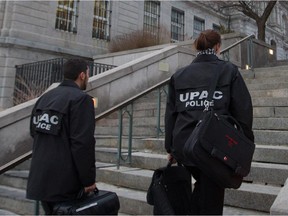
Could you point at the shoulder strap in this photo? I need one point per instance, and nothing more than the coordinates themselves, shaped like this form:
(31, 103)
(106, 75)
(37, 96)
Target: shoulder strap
(212, 89)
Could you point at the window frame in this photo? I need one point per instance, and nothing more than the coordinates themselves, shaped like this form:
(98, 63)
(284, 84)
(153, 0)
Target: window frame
(67, 21)
(179, 26)
(102, 30)
(197, 21)
(151, 20)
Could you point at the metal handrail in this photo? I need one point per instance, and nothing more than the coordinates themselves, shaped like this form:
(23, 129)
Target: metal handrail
(236, 43)
(250, 62)
(130, 100)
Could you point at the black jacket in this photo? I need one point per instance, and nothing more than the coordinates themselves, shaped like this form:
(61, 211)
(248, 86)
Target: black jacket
(63, 158)
(188, 89)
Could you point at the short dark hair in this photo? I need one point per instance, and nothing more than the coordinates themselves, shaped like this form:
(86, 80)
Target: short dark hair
(73, 67)
(207, 39)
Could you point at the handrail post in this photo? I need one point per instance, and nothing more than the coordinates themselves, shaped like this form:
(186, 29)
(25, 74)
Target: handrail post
(158, 112)
(37, 203)
(130, 134)
(120, 128)
(251, 53)
(160, 90)
(120, 135)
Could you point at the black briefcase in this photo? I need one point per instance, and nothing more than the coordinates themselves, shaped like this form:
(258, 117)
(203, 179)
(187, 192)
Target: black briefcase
(98, 203)
(170, 191)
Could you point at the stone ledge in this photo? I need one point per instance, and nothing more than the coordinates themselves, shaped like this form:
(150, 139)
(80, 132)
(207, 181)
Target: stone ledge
(280, 207)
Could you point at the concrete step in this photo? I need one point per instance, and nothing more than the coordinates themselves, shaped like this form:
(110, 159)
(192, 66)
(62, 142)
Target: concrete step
(265, 173)
(15, 178)
(138, 143)
(13, 200)
(270, 123)
(252, 196)
(271, 137)
(140, 179)
(270, 111)
(269, 93)
(273, 117)
(267, 80)
(261, 121)
(267, 86)
(5, 212)
(133, 201)
(271, 71)
(139, 131)
(143, 121)
(268, 174)
(264, 152)
(271, 154)
(269, 102)
(136, 114)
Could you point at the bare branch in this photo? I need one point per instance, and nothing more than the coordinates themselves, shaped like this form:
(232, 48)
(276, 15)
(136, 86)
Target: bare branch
(268, 10)
(248, 11)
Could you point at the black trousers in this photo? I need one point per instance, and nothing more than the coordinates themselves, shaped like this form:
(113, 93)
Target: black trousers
(48, 207)
(207, 196)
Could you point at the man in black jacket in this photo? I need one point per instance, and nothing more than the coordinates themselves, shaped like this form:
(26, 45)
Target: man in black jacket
(62, 125)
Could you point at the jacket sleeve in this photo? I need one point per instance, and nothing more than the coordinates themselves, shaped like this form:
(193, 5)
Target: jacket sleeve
(170, 116)
(241, 105)
(82, 127)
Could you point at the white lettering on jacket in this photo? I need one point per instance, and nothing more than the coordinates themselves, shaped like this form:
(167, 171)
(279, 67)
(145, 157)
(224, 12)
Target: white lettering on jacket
(202, 95)
(198, 98)
(45, 121)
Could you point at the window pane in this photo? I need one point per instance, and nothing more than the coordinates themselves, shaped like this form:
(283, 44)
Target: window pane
(152, 17)
(199, 26)
(177, 25)
(101, 20)
(66, 15)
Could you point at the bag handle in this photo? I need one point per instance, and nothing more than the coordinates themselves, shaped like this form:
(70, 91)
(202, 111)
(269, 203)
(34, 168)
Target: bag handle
(233, 122)
(82, 193)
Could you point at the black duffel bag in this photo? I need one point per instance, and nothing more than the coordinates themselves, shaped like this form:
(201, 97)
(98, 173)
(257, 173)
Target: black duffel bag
(170, 191)
(99, 202)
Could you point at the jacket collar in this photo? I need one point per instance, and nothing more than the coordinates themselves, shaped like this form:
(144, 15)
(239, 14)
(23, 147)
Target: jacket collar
(69, 83)
(205, 58)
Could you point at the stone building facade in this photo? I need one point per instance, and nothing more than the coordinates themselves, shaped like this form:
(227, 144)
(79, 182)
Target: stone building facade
(32, 31)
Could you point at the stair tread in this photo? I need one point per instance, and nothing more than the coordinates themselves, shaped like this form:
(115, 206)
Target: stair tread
(259, 188)
(149, 154)
(5, 212)
(141, 196)
(125, 169)
(275, 147)
(255, 187)
(15, 193)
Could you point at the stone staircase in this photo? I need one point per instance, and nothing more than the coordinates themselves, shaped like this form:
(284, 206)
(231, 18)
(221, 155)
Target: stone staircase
(269, 170)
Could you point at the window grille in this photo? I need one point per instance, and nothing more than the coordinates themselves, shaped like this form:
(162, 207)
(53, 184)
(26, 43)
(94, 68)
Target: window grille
(152, 17)
(33, 79)
(101, 20)
(66, 15)
(177, 25)
(199, 25)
